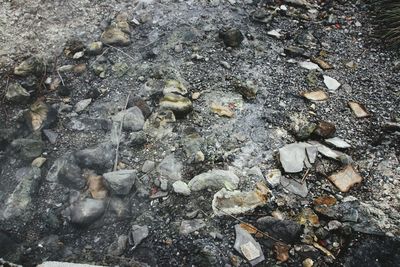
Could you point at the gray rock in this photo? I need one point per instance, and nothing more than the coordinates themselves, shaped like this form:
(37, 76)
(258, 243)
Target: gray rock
(99, 158)
(67, 172)
(65, 264)
(94, 48)
(137, 139)
(148, 166)
(117, 248)
(292, 157)
(288, 231)
(181, 188)
(133, 119)
(170, 167)
(27, 149)
(189, 226)
(138, 234)
(214, 179)
(17, 94)
(115, 36)
(82, 105)
(86, 211)
(121, 182)
(32, 65)
(89, 124)
(331, 83)
(247, 246)
(231, 37)
(294, 186)
(163, 184)
(20, 199)
(51, 136)
(338, 142)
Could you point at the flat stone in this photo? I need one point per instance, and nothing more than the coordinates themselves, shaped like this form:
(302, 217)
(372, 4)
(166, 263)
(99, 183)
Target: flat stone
(67, 172)
(190, 226)
(115, 36)
(358, 109)
(38, 162)
(117, 248)
(138, 234)
(27, 149)
(181, 188)
(309, 65)
(170, 167)
(51, 136)
(317, 95)
(82, 105)
(331, 83)
(247, 246)
(295, 187)
(338, 142)
(180, 105)
(121, 182)
(214, 179)
(65, 264)
(148, 166)
(292, 157)
(325, 129)
(345, 178)
(86, 211)
(133, 119)
(17, 94)
(100, 157)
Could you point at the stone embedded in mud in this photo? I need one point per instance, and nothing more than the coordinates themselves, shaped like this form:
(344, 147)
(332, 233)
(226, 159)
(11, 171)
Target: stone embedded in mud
(115, 36)
(67, 172)
(121, 182)
(325, 129)
(20, 199)
(247, 89)
(317, 95)
(309, 65)
(40, 116)
(99, 158)
(175, 87)
(247, 246)
(324, 65)
(345, 178)
(27, 149)
(32, 65)
(331, 83)
(292, 157)
(82, 105)
(190, 226)
(222, 110)
(295, 187)
(337, 142)
(170, 168)
(17, 94)
(138, 234)
(358, 109)
(231, 37)
(237, 202)
(133, 119)
(94, 48)
(214, 179)
(180, 105)
(181, 188)
(294, 51)
(86, 211)
(117, 248)
(286, 230)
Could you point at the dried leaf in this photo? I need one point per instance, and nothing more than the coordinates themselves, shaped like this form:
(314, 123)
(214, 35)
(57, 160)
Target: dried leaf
(359, 109)
(318, 95)
(221, 110)
(282, 252)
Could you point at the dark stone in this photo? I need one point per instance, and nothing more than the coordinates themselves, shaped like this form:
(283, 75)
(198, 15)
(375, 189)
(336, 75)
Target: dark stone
(64, 90)
(7, 244)
(87, 211)
(294, 51)
(98, 158)
(231, 37)
(141, 104)
(27, 149)
(325, 129)
(286, 230)
(66, 171)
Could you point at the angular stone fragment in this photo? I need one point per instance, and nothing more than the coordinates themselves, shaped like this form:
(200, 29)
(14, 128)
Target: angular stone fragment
(325, 129)
(67, 172)
(180, 105)
(189, 226)
(309, 65)
(318, 95)
(331, 83)
(247, 246)
(337, 142)
(345, 178)
(86, 211)
(115, 36)
(358, 109)
(231, 37)
(138, 234)
(286, 230)
(181, 188)
(221, 110)
(324, 65)
(214, 179)
(170, 168)
(121, 182)
(133, 119)
(294, 186)
(16, 93)
(97, 158)
(292, 157)
(174, 86)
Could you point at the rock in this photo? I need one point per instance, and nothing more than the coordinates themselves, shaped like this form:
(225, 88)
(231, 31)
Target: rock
(294, 186)
(292, 157)
(40, 116)
(87, 124)
(115, 36)
(308, 263)
(120, 69)
(317, 95)
(148, 166)
(137, 139)
(330, 153)
(345, 178)
(222, 110)
(133, 119)
(138, 234)
(262, 16)
(294, 51)
(309, 65)
(121, 182)
(231, 37)
(38, 162)
(181, 188)
(331, 83)
(275, 33)
(170, 167)
(67, 172)
(100, 157)
(174, 86)
(237, 202)
(86, 211)
(312, 153)
(27, 149)
(214, 179)
(273, 177)
(247, 246)
(117, 248)
(140, 103)
(338, 142)
(180, 105)
(21, 198)
(358, 109)
(32, 65)
(51, 136)
(78, 55)
(94, 48)
(190, 226)
(95, 185)
(325, 129)
(65, 264)
(286, 230)
(323, 65)
(247, 89)
(306, 131)
(17, 94)
(298, 3)
(82, 105)
(163, 184)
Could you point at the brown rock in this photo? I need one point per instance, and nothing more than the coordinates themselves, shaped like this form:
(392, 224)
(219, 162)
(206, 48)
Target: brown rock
(325, 129)
(345, 178)
(358, 109)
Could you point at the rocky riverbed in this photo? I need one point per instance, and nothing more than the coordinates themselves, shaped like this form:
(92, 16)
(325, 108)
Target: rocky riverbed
(198, 133)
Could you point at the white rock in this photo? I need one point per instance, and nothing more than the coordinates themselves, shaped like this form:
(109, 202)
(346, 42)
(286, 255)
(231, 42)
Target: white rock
(83, 104)
(275, 33)
(214, 179)
(338, 142)
(181, 188)
(309, 65)
(331, 83)
(292, 157)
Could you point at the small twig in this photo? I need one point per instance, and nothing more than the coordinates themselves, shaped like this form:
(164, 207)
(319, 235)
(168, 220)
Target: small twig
(253, 227)
(120, 133)
(305, 176)
(59, 75)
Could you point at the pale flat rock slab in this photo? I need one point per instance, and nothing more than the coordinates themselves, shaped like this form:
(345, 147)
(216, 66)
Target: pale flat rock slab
(247, 246)
(190, 226)
(317, 95)
(214, 179)
(345, 178)
(82, 105)
(331, 83)
(309, 65)
(295, 187)
(65, 264)
(358, 109)
(338, 142)
(292, 157)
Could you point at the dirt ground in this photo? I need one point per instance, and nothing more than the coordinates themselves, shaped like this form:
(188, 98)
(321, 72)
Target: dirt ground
(182, 41)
